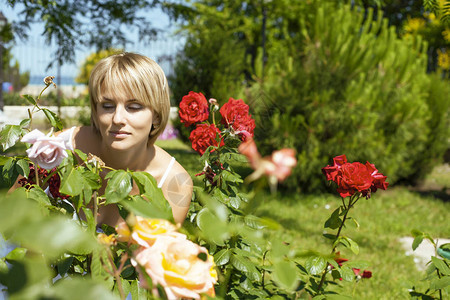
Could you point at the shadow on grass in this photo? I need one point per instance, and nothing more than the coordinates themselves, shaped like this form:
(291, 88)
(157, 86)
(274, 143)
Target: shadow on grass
(443, 195)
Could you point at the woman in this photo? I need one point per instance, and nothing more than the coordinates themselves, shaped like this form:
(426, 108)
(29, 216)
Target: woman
(130, 107)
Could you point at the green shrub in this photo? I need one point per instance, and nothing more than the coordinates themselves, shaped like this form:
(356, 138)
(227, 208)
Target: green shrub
(343, 84)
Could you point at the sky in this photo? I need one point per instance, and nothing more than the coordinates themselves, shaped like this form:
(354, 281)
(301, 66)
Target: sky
(34, 54)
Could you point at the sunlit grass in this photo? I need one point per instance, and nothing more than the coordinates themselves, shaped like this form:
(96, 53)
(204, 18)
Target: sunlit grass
(383, 219)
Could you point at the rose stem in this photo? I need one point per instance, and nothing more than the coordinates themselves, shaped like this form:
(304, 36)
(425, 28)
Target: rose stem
(324, 273)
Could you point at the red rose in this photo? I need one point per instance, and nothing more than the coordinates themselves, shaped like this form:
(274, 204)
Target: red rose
(353, 177)
(203, 136)
(235, 113)
(379, 180)
(193, 109)
(331, 171)
(365, 273)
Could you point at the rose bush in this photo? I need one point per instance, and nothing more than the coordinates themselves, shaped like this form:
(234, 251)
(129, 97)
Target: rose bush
(193, 109)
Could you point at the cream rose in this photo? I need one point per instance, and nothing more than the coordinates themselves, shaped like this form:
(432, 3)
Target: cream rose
(145, 231)
(174, 263)
(48, 151)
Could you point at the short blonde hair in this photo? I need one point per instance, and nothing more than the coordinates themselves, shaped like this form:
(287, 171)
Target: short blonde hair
(141, 77)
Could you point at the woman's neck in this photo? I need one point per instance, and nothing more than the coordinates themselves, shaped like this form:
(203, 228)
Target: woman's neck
(136, 159)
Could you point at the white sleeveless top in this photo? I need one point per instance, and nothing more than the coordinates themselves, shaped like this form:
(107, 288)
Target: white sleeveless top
(169, 167)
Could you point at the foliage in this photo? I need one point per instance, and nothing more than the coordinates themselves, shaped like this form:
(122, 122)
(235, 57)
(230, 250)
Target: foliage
(90, 61)
(92, 23)
(11, 69)
(338, 88)
(221, 220)
(438, 270)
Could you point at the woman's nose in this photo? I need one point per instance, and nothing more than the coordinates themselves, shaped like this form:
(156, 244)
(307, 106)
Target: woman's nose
(119, 115)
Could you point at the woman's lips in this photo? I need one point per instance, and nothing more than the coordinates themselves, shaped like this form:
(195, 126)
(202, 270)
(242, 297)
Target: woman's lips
(119, 134)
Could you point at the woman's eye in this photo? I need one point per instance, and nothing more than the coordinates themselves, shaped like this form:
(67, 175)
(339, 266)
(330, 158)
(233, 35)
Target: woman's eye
(135, 106)
(107, 105)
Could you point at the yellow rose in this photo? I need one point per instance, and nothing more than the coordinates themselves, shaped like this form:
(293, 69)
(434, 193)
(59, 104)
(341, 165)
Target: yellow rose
(174, 263)
(145, 231)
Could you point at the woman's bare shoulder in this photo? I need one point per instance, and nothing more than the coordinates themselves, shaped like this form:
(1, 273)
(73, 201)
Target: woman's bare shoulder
(86, 139)
(178, 184)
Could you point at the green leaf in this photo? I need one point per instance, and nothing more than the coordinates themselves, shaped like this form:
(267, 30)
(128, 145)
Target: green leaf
(118, 187)
(23, 167)
(358, 264)
(285, 275)
(417, 241)
(55, 236)
(9, 135)
(3, 267)
(53, 118)
(347, 273)
(64, 264)
(217, 233)
(4, 159)
(25, 123)
(16, 254)
(349, 243)
(72, 183)
(244, 265)
(222, 257)
(441, 265)
(30, 99)
(38, 195)
(99, 262)
(334, 221)
(315, 265)
(440, 283)
(81, 154)
(148, 209)
(70, 289)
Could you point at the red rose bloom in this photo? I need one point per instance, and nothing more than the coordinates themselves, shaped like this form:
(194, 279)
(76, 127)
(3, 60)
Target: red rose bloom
(235, 113)
(352, 178)
(193, 109)
(203, 136)
(331, 171)
(379, 180)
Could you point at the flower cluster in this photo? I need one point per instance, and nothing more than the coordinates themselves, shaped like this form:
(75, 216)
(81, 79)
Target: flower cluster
(235, 115)
(183, 268)
(354, 177)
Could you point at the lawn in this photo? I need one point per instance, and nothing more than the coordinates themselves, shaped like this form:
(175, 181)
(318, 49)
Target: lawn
(383, 219)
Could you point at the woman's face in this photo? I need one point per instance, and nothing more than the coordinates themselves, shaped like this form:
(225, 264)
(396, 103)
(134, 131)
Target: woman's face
(123, 122)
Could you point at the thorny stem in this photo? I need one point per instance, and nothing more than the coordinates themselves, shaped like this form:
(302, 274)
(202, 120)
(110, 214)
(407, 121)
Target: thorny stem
(36, 173)
(116, 273)
(347, 209)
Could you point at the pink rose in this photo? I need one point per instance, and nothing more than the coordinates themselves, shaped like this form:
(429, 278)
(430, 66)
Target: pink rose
(145, 231)
(278, 166)
(48, 151)
(175, 264)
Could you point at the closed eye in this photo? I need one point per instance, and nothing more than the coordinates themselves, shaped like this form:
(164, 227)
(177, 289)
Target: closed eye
(135, 106)
(108, 105)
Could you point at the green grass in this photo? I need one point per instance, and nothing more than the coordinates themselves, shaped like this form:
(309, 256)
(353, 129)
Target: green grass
(383, 219)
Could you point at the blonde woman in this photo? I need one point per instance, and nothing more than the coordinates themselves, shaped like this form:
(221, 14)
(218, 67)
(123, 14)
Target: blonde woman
(130, 107)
